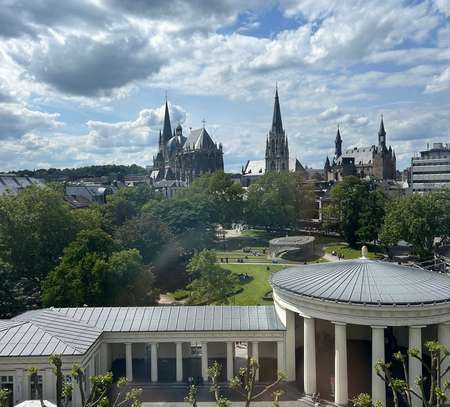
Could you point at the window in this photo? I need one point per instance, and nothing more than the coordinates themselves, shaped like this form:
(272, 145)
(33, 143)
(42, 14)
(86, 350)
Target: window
(36, 390)
(7, 382)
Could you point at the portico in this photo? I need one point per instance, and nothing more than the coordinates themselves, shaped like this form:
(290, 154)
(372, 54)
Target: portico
(361, 302)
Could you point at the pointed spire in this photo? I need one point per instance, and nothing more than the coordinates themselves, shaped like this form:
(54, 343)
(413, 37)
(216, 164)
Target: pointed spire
(167, 128)
(382, 134)
(277, 124)
(327, 164)
(382, 131)
(338, 144)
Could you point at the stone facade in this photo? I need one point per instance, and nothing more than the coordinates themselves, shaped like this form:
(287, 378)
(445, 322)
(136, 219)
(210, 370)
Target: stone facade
(376, 161)
(277, 148)
(183, 158)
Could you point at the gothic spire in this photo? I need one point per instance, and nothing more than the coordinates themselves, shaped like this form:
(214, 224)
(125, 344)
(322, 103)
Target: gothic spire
(167, 128)
(382, 134)
(327, 164)
(338, 144)
(277, 124)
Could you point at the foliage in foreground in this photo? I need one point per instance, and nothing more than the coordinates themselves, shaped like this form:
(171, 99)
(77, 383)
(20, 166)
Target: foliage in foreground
(431, 389)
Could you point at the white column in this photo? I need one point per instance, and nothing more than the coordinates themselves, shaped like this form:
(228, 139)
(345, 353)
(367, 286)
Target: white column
(205, 361)
(444, 339)
(309, 355)
(154, 361)
(281, 368)
(48, 385)
(378, 385)
(19, 386)
(414, 365)
(179, 356)
(230, 360)
(255, 355)
(129, 361)
(290, 346)
(76, 396)
(104, 358)
(340, 364)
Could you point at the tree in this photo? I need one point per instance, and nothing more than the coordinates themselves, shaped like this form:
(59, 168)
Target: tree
(35, 227)
(214, 372)
(223, 194)
(4, 397)
(356, 210)
(278, 201)
(33, 373)
(418, 219)
(244, 383)
(92, 271)
(211, 283)
(432, 390)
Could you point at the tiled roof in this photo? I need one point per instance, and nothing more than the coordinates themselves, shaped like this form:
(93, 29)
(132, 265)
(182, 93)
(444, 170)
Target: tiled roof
(365, 281)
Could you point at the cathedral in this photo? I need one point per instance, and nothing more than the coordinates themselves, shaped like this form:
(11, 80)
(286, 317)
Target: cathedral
(181, 158)
(378, 162)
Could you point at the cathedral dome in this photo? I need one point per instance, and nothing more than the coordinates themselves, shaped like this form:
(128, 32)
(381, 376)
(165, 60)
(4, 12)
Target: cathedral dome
(172, 145)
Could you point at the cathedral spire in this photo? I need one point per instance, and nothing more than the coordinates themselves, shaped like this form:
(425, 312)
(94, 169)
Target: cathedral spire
(277, 124)
(167, 128)
(382, 134)
(338, 144)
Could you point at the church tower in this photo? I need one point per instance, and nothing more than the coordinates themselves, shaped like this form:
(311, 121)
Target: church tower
(277, 149)
(382, 135)
(338, 145)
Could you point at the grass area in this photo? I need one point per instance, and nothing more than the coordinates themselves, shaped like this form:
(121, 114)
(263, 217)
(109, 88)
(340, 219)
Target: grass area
(353, 253)
(256, 287)
(255, 254)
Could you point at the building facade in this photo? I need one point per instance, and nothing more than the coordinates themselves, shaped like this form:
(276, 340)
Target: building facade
(430, 170)
(183, 158)
(376, 161)
(277, 148)
(329, 324)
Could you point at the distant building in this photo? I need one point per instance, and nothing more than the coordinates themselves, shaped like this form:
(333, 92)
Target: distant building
(83, 194)
(11, 184)
(377, 161)
(183, 158)
(277, 152)
(430, 170)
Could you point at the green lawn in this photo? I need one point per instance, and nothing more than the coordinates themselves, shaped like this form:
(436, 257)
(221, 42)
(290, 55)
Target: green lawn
(352, 253)
(256, 287)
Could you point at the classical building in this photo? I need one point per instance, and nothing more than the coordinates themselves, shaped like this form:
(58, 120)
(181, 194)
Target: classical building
(329, 324)
(183, 158)
(430, 169)
(11, 184)
(376, 162)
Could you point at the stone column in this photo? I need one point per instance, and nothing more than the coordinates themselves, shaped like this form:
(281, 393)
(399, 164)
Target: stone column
(414, 365)
(444, 339)
(48, 385)
(309, 356)
(129, 361)
(19, 386)
(378, 385)
(154, 362)
(179, 362)
(76, 396)
(340, 364)
(255, 355)
(104, 357)
(205, 361)
(230, 360)
(290, 346)
(280, 357)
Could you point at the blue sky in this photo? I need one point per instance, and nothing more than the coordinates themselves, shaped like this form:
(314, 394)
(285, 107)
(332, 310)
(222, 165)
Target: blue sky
(84, 82)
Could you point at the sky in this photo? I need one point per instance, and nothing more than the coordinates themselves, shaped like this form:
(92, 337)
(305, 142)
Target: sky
(84, 82)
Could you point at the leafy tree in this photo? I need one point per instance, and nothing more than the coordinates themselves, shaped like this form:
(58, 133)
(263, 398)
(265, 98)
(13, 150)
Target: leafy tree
(35, 226)
(4, 397)
(189, 220)
(356, 210)
(12, 297)
(278, 200)
(214, 372)
(418, 219)
(92, 272)
(223, 195)
(33, 373)
(211, 283)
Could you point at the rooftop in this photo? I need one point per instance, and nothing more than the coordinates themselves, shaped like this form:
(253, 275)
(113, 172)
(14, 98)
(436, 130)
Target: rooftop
(364, 281)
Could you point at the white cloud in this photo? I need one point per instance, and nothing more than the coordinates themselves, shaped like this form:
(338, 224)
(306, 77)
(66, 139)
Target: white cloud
(440, 82)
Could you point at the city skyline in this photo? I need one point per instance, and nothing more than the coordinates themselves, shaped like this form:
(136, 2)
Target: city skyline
(85, 84)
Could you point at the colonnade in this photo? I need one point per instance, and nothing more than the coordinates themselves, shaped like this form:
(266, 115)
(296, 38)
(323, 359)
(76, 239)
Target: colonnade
(341, 396)
(253, 348)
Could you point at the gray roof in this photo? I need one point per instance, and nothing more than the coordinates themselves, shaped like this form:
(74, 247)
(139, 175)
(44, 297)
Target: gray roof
(71, 331)
(199, 139)
(11, 184)
(365, 281)
(178, 318)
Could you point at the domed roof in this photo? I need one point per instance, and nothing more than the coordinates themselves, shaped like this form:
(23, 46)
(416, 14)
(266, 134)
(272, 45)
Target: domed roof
(172, 144)
(364, 281)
